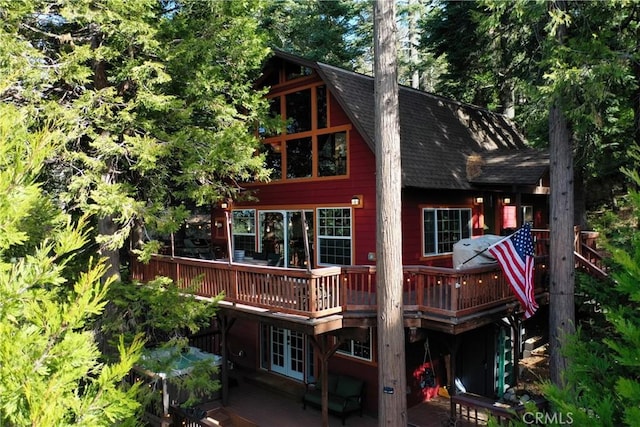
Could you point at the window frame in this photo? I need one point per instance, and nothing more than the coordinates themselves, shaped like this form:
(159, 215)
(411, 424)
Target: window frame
(320, 237)
(278, 143)
(235, 233)
(460, 231)
(351, 353)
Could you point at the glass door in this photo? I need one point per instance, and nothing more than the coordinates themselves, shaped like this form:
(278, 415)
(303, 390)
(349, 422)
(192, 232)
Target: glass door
(272, 234)
(282, 237)
(296, 252)
(287, 352)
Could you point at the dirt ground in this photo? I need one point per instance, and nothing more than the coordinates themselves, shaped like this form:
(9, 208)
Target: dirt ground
(534, 369)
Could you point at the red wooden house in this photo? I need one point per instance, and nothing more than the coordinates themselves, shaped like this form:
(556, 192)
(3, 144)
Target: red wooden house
(302, 283)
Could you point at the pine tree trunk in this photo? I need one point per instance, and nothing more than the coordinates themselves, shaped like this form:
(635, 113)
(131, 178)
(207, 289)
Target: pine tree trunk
(561, 304)
(561, 262)
(392, 403)
(107, 227)
(414, 41)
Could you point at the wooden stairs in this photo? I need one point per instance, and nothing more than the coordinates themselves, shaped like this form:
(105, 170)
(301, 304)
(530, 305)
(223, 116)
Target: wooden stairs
(590, 260)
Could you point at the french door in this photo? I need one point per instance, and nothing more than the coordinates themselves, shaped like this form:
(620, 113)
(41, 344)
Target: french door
(287, 352)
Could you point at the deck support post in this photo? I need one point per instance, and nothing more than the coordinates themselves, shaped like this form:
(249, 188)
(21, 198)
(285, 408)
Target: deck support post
(325, 348)
(515, 323)
(453, 346)
(225, 324)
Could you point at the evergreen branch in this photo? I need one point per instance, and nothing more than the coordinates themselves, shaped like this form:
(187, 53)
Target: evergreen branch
(63, 38)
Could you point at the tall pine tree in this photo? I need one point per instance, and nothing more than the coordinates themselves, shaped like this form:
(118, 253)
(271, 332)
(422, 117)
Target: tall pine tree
(154, 100)
(51, 372)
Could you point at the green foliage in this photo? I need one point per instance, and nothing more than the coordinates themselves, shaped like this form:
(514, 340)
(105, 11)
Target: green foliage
(325, 31)
(154, 105)
(500, 53)
(50, 367)
(160, 310)
(603, 381)
(164, 313)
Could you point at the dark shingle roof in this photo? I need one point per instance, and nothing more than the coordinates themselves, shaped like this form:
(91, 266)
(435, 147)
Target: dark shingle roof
(517, 167)
(437, 134)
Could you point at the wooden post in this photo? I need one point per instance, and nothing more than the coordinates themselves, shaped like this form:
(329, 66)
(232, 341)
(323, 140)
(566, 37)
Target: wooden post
(229, 242)
(325, 350)
(451, 369)
(305, 237)
(166, 417)
(514, 322)
(225, 325)
(391, 355)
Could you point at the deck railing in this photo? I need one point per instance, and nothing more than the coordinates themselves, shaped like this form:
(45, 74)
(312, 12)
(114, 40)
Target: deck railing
(444, 292)
(586, 256)
(314, 293)
(436, 290)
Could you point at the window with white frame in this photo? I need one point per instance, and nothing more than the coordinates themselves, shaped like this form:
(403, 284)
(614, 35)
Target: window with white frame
(442, 227)
(244, 230)
(357, 349)
(334, 236)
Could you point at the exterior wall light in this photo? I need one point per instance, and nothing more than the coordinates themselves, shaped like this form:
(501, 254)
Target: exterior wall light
(357, 201)
(479, 200)
(506, 200)
(226, 204)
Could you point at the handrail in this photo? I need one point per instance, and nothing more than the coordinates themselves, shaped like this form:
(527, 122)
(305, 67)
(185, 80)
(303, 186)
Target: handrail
(312, 293)
(439, 291)
(476, 410)
(590, 267)
(436, 291)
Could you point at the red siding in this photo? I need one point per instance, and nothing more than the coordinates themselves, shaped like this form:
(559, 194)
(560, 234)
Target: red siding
(366, 371)
(333, 192)
(412, 204)
(243, 337)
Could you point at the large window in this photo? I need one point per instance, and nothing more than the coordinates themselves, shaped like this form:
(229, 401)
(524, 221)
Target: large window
(299, 111)
(357, 349)
(299, 158)
(334, 236)
(444, 227)
(332, 154)
(244, 230)
(308, 147)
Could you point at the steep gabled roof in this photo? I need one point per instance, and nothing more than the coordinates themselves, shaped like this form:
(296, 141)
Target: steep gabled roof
(437, 135)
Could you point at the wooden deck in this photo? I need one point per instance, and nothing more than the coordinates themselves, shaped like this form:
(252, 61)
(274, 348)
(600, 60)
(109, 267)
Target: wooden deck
(444, 296)
(439, 293)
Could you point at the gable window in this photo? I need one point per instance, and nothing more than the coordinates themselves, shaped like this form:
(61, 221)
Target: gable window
(332, 154)
(442, 227)
(334, 236)
(357, 349)
(298, 111)
(321, 106)
(299, 158)
(244, 230)
(294, 71)
(273, 158)
(308, 147)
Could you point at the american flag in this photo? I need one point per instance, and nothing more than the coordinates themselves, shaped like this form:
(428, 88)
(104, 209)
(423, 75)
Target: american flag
(516, 257)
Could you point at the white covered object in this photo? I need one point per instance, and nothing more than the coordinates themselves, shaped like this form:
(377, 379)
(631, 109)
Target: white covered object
(466, 249)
